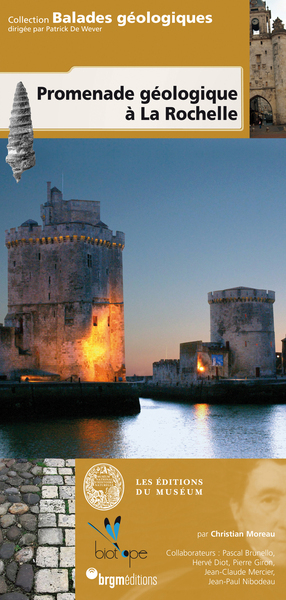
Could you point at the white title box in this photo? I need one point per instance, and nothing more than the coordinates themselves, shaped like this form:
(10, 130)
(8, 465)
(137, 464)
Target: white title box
(130, 98)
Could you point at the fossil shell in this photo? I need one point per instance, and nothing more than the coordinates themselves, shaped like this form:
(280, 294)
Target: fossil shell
(21, 155)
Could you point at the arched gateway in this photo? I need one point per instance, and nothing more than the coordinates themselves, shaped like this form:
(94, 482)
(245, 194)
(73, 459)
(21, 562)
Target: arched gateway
(260, 111)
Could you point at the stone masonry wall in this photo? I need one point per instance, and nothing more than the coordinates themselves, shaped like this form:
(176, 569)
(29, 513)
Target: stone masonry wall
(37, 529)
(166, 372)
(262, 80)
(279, 60)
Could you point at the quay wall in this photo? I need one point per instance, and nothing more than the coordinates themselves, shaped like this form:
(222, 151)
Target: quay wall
(230, 392)
(37, 400)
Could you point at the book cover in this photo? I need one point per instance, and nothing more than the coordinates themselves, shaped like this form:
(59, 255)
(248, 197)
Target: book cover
(139, 349)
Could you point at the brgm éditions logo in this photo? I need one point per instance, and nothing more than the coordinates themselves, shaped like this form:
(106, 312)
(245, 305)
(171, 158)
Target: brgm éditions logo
(103, 486)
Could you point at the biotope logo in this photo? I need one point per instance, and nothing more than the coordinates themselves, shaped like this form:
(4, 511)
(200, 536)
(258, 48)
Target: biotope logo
(115, 553)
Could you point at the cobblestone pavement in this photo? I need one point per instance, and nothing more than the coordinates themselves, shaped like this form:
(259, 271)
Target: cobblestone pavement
(270, 131)
(37, 533)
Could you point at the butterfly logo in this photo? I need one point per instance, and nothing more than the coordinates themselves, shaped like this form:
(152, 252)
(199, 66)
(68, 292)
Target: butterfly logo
(113, 533)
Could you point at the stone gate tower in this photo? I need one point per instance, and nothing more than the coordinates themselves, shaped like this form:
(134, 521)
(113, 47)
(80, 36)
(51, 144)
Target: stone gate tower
(267, 60)
(65, 294)
(242, 320)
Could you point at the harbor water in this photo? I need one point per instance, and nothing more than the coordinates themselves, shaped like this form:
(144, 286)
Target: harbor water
(161, 430)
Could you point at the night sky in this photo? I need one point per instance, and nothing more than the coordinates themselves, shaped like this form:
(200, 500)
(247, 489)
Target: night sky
(199, 216)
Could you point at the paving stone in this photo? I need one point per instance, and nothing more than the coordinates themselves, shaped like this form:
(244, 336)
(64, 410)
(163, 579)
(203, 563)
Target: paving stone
(65, 471)
(28, 539)
(69, 480)
(22, 466)
(11, 490)
(2, 498)
(3, 586)
(15, 481)
(7, 521)
(44, 597)
(14, 596)
(70, 462)
(4, 477)
(67, 596)
(36, 470)
(47, 520)
(28, 521)
(4, 470)
(4, 508)
(51, 580)
(47, 557)
(18, 508)
(10, 462)
(25, 489)
(54, 462)
(55, 506)
(3, 485)
(14, 498)
(73, 578)
(1, 567)
(24, 555)
(71, 506)
(66, 521)
(25, 577)
(70, 537)
(13, 533)
(7, 550)
(67, 556)
(50, 491)
(35, 509)
(51, 536)
(37, 480)
(11, 571)
(53, 480)
(67, 491)
(1, 537)
(12, 473)
(31, 498)
(27, 475)
(50, 471)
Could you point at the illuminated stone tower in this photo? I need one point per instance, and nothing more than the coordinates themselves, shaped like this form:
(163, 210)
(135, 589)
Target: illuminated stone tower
(65, 293)
(267, 63)
(242, 320)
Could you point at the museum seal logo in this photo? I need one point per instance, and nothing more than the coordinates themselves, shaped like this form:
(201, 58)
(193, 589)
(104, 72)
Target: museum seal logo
(103, 486)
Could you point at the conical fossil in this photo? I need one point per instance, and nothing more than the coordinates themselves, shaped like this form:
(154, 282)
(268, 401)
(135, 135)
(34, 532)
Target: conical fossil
(21, 155)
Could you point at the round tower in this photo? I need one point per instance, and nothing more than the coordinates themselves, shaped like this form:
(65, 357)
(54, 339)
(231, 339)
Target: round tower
(242, 319)
(65, 292)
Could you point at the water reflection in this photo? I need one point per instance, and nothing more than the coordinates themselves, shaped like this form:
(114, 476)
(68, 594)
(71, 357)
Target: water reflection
(161, 430)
